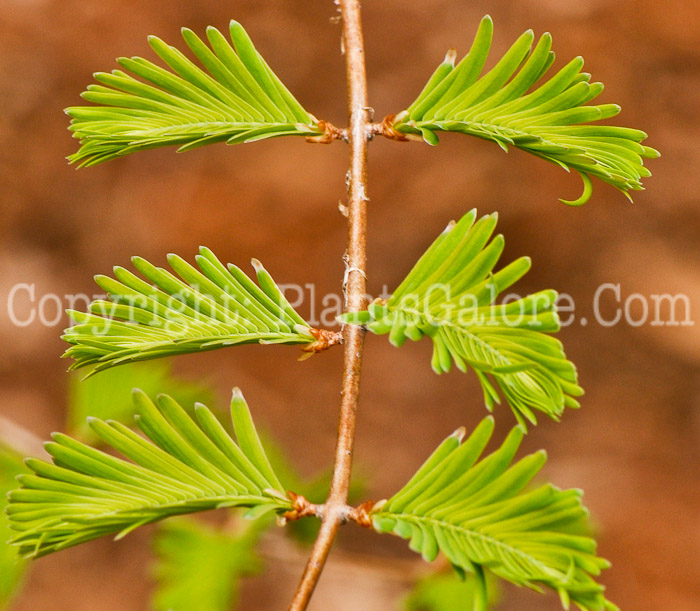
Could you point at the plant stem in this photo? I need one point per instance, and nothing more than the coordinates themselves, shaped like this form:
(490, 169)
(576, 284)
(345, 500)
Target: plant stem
(335, 509)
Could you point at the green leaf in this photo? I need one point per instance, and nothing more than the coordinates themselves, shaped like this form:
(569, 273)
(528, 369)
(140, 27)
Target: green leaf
(449, 296)
(235, 98)
(513, 105)
(183, 467)
(449, 592)
(12, 566)
(108, 396)
(480, 515)
(199, 309)
(200, 567)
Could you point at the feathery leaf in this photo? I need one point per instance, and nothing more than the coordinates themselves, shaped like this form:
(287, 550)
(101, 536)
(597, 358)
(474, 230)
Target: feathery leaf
(510, 106)
(108, 395)
(449, 296)
(448, 591)
(202, 309)
(184, 467)
(237, 98)
(478, 515)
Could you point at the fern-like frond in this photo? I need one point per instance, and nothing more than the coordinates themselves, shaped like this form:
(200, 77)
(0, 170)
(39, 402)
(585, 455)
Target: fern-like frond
(511, 106)
(236, 98)
(183, 467)
(478, 515)
(199, 309)
(449, 296)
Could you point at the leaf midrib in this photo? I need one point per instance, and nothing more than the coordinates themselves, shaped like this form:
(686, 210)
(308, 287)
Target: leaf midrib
(185, 128)
(459, 329)
(492, 126)
(434, 522)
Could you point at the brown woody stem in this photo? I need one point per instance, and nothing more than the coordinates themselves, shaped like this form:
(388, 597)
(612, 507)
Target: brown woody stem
(335, 510)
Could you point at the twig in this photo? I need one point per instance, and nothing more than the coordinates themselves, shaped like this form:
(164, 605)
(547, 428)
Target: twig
(335, 510)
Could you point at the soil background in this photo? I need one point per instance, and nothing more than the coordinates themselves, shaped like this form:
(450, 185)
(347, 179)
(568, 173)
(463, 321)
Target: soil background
(634, 446)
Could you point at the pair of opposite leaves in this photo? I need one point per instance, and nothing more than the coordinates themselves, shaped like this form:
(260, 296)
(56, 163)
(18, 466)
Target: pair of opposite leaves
(474, 509)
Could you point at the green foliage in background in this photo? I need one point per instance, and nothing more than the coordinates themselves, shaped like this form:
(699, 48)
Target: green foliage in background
(448, 592)
(108, 395)
(200, 567)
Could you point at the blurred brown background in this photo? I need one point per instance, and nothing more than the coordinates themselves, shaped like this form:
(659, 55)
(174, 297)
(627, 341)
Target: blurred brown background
(633, 447)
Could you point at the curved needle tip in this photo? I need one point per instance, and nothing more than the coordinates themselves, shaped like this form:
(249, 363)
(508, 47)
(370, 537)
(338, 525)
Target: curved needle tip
(256, 264)
(585, 196)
